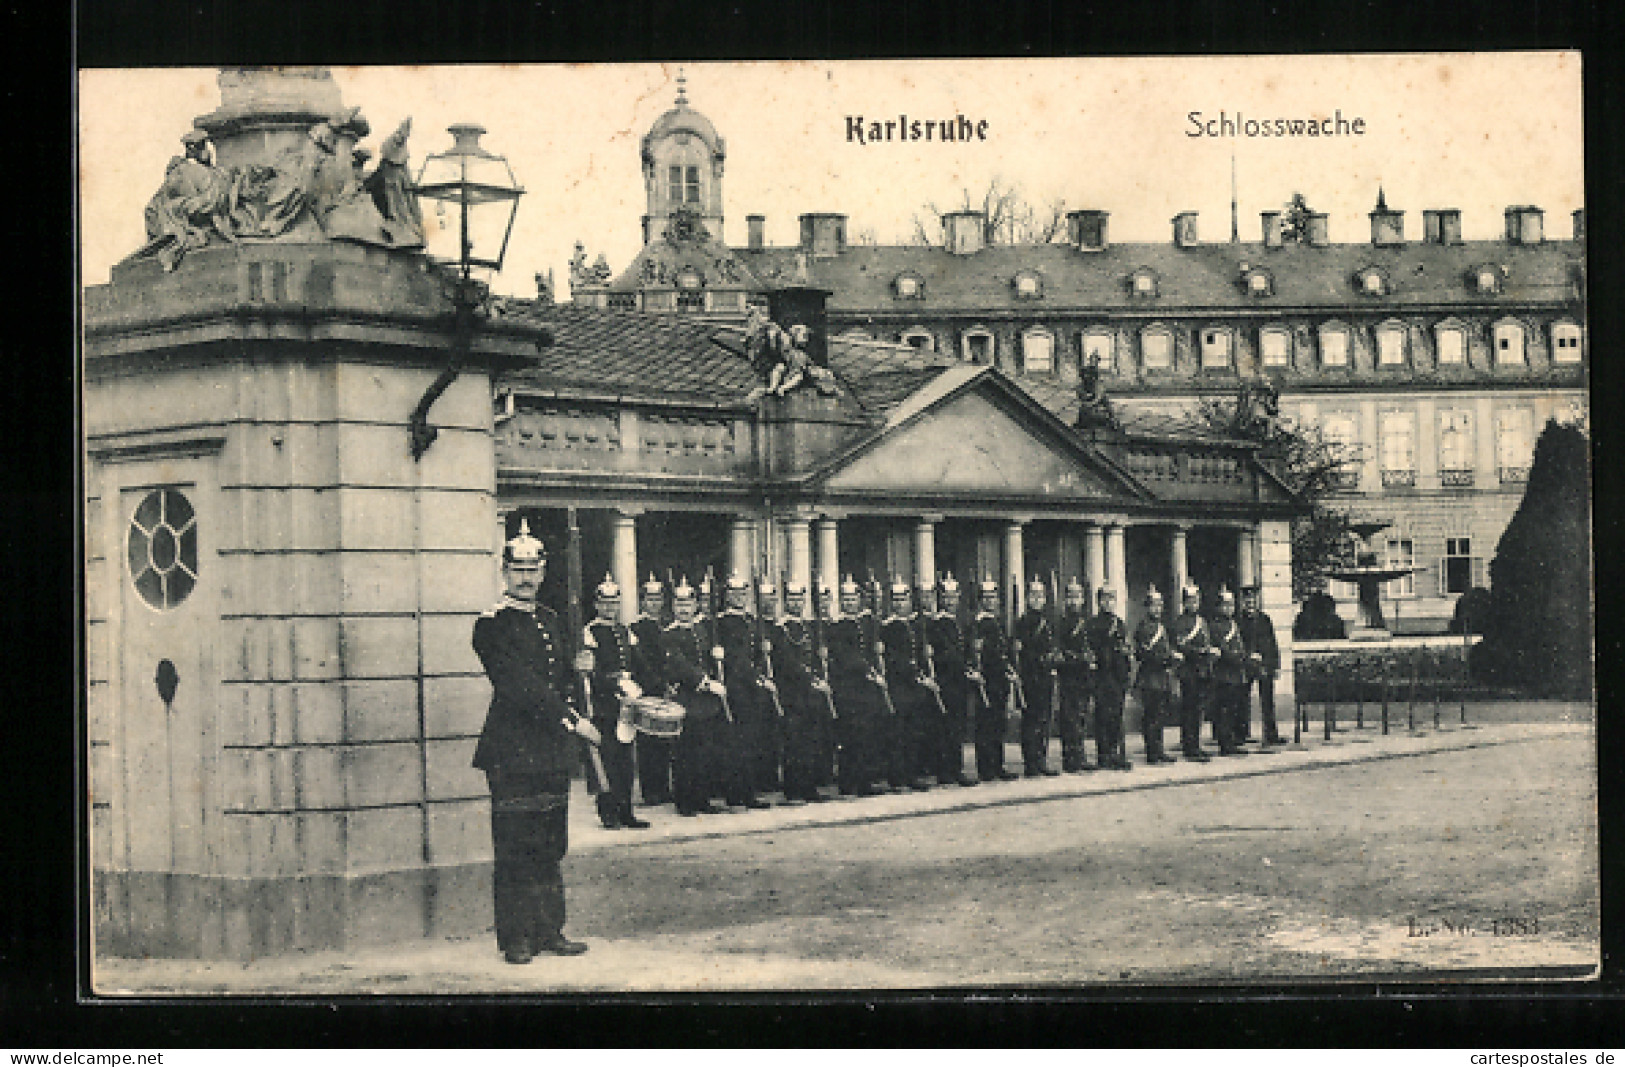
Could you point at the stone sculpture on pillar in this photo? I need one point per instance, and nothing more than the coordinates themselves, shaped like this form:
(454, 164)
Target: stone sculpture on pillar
(780, 358)
(191, 207)
(1094, 409)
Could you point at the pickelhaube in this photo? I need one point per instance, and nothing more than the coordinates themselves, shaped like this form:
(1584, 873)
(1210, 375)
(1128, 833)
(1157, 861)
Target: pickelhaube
(989, 587)
(849, 587)
(948, 585)
(794, 588)
(900, 588)
(607, 589)
(683, 590)
(1225, 595)
(766, 587)
(1074, 587)
(1036, 586)
(1152, 595)
(653, 587)
(737, 581)
(1105, 591)
(1191, 592)
(523, 548)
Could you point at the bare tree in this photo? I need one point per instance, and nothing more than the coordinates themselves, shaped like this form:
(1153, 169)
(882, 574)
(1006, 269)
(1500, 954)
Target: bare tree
(1008, 218)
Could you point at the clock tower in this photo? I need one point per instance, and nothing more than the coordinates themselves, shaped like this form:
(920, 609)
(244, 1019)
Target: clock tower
(682, 169)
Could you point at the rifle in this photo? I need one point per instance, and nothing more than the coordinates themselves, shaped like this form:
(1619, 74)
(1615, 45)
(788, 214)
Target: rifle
(879, 674)
(764, 647)
(1054, 673)
(931, 665)
(572, 585)
(823, 652)
(711, 614)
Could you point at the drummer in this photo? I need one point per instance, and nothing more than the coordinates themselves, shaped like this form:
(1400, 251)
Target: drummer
(611, 647)
(648, 671)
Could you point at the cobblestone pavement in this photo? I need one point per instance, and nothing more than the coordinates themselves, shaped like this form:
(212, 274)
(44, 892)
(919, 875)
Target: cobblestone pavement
(1466, 853)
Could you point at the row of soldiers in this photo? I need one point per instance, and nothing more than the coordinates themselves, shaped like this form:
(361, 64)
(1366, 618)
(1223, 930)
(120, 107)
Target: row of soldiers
(775, 702)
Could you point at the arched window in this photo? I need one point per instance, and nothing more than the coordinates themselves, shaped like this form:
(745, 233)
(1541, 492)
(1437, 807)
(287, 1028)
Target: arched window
(1390, 344)
(1215, 348)
(1565, 342)
(162, 548)
(1275, 346)
(1099, 347)
(1156, 348)
(1334, 345)
(1508, 343)
(919, 337)
(1450, 339)
(978, 346)
(1037, 351)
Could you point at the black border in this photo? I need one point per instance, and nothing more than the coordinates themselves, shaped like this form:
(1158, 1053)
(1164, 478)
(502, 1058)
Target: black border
(39, 983)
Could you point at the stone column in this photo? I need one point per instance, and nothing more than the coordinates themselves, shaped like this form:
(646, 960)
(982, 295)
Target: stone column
(1015, 572)
(1117, 564)
(741, 542)
(799, 539)
(1094, 561)
(1275, 597)
(1246, 569)
(829, 562)
(1180, 564)
(623, 562)
(925, 554)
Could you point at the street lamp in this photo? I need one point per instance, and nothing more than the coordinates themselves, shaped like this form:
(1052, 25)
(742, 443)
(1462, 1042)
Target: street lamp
(479, 189)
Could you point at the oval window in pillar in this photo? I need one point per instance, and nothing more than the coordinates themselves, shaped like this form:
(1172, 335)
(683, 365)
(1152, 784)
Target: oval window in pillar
(163, 548)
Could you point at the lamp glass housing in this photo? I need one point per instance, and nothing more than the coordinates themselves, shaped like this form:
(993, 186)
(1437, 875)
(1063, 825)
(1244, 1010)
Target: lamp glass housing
(475, 200)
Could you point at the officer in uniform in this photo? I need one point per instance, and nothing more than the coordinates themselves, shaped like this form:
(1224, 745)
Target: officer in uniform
(994, 676)
(946, 664)
(735, 633)
(828, 735)
(527, 751)
(803, 693)
(1230, 681)
(918, 720)
(767, 750)
(1108, 640)
(1076, 675)
(860, 693)
(611, 646)
(690, 673)
(649, 672)
(1264, 662)
(1155, 652)
(1196, 655)
(1038, 660)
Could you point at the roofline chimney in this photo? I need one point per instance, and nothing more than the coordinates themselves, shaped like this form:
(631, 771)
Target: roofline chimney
(964, 232)
(1185, 230)
(1271, 223)
(1087, 228)
(1441, 226)
(1524, 224)
(754, 227)
(1317, 229)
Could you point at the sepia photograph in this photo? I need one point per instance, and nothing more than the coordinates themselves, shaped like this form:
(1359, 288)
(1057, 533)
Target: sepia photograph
(825, 526)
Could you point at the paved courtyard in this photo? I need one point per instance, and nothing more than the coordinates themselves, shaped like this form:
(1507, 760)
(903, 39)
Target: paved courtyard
(1466, 854)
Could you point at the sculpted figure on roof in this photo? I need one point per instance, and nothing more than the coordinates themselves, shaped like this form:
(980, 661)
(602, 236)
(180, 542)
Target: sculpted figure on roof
(780, 357)
(191, 207)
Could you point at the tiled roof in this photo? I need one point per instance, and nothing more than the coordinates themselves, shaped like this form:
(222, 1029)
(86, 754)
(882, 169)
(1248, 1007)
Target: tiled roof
(1062, 399)
(637, 355)
(1205, 276)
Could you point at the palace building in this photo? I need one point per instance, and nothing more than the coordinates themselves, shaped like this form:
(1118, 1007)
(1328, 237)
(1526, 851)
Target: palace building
(282, 571)
(1435, 361)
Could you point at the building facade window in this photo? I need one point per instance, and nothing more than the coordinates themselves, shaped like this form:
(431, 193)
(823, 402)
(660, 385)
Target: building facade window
(1508, 344)
(1459, 569)
(1156, 348)
(1391, 344)
(1144, 282)
(1455, 448)
(1275, 347)
(1401, 552)
(1215, 348)
(1038, 351)
(691, 300)
(683, 185)
(1565, 342)
(978, 346)
(919, 337)
(1398, 449)
(1451, 339)
(1334, 346)
(1099, 348)
(1342, 435)
(1514, 444)
(162, 548)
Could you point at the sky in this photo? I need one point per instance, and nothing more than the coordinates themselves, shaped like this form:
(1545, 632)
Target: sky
(1475, 131)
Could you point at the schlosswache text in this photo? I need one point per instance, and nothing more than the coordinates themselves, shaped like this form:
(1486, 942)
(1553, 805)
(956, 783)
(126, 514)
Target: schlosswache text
(1225, 124)
(902, 128)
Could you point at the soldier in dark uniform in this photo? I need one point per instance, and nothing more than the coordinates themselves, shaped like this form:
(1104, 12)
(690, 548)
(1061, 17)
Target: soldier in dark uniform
(527, 750)
(1196, 655)
(1037, 659)
(859, 690)
(919, 721)
(611, 646)
(994, 677)
(1076, 676)
(946, 665)
(828, 736)
(767, 748)
(1264, 662)
(735, 632)
(649, 672)
(1155, 682)
(1230, 680)
(806, 705)
(1108, 639)
(690, 675)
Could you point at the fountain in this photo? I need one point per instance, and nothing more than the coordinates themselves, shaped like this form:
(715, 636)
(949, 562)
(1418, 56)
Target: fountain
(1369, 624)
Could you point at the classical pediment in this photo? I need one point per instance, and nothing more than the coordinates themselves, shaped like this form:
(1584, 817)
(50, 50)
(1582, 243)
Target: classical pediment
(969, 434)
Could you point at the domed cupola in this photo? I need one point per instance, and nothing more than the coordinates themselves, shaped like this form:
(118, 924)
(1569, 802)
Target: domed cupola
(682, 168)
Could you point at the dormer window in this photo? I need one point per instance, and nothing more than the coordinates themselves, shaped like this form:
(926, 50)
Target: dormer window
(909, 287)
(1334, 345)
(689, 278)
(978, 345)
(1215, 348)
(1372, 281)
(1037, 351)
(1275, 346)
(1156, 348)
(1508, 344)
(1099, 349)
(1029, 285)
(1565, 342)
(1143, 282)
(1259, 282)
(919, 337)
(1487, 279)
(1451, 342)
(1390, 344)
